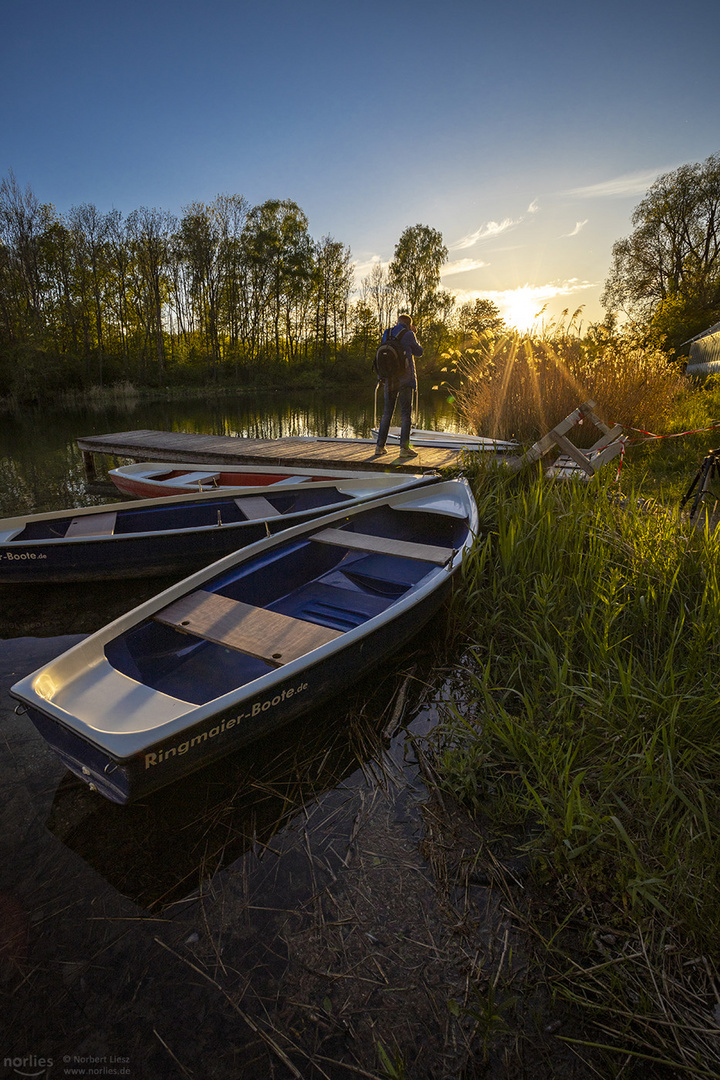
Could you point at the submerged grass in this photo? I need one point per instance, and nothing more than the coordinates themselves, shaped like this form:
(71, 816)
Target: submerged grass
(592, 630)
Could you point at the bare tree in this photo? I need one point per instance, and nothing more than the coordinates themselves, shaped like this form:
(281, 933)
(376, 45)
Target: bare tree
(151, 234)
(382, 296)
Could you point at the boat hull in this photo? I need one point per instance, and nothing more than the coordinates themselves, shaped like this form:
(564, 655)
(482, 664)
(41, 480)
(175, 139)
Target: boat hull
(152, 479)
(248, 719)
(119, 558)
(449, 440)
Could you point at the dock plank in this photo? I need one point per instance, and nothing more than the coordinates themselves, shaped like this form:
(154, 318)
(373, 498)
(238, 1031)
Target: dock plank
(192, 447)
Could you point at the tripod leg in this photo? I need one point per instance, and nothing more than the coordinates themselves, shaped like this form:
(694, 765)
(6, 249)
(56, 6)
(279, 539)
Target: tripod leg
(707, 468)
(690, 490)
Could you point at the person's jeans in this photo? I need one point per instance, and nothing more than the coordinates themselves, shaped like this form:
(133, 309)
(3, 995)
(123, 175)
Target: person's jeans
(392, 394)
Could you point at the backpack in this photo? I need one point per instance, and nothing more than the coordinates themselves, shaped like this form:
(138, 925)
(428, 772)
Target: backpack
(390, 359)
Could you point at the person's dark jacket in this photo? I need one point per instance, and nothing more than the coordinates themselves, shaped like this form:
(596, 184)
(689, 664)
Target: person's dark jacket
(412, 348)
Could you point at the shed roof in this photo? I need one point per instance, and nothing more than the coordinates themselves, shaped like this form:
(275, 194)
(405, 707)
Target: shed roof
(714, 329)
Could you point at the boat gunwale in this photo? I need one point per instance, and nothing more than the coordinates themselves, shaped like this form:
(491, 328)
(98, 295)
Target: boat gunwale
(25, 690)
(21, 521)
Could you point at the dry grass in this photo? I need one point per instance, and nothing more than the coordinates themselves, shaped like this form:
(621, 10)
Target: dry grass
(98, 398)
(522, 386)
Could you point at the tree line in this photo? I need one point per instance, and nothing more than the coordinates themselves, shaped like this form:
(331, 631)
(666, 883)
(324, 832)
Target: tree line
(224, 292)
(665, 276)
(233, 293)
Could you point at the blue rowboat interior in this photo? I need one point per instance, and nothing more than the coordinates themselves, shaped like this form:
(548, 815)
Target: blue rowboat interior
(246, 644)
(317, 585)
(197, 513)
(169, 534)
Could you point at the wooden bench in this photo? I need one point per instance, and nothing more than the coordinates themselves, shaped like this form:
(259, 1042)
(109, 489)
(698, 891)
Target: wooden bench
(385, 545)
(92, 525)
(277, 639)
(257, 507)
(198, 478)
(605, 449)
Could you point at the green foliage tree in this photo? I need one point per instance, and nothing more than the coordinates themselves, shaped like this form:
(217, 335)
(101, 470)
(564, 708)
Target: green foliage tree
(198, 246)
(363, 325)
(666, 274)
(415, 272)
(475, 317)
(232, 211)
(280, 255)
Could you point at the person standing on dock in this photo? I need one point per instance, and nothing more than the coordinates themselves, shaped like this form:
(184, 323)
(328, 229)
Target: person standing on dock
(401, 389)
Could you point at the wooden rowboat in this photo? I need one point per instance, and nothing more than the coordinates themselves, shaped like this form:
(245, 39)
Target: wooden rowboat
(245, 645)
(172, 535)
(147, 479)
(450, 440)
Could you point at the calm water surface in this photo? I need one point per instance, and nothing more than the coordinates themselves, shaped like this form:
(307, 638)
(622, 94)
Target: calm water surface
(41, 466)
(228, 924)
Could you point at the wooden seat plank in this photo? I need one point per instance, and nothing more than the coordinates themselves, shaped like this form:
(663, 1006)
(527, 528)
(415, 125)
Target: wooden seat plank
(92, 525)
(198, 478)
(291, 480)
(257, 507)
(566, 466)
(277, 639)
(385, 545)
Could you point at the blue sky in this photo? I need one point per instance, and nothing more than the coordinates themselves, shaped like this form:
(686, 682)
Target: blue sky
(525, 133)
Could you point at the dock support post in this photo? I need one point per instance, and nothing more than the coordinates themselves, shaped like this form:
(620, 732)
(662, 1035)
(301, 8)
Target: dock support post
(89, 463)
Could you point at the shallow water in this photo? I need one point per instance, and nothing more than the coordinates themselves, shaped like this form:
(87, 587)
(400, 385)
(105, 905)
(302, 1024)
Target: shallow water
(229, 920)
(272, 915)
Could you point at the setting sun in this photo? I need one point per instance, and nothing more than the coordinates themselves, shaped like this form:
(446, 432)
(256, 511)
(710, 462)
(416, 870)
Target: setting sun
(521, 307)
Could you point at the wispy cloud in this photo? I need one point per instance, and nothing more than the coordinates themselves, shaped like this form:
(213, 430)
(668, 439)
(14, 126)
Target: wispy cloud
(579, 225)
(525, 304)
(489, 229)
(533, 207)
(363, 266)
(540, 293)
(635, 183)
(461, 266)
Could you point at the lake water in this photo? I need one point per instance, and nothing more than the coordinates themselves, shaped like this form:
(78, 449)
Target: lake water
(41, 467)
(276, 907)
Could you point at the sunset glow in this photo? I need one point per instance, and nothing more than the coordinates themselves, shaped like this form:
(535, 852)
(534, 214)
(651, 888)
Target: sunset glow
(520, 308)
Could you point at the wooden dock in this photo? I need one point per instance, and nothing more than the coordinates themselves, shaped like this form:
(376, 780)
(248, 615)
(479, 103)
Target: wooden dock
(318, 453)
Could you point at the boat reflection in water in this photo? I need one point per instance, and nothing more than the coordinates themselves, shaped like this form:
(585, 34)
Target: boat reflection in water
(165, 848)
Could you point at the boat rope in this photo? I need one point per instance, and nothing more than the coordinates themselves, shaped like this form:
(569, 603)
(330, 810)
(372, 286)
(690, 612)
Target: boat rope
(650, 435)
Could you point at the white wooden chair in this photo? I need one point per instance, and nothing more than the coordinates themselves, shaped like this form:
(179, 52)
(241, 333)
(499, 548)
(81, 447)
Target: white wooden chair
(572, 461)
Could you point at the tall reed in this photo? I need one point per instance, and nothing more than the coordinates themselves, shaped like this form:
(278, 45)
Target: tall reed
(524, 385)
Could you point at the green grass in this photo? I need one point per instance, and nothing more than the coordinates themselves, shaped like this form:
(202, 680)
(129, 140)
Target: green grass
(664, 467)
(590, 625)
